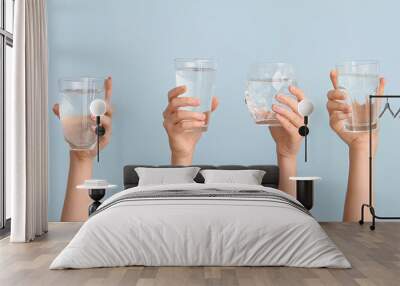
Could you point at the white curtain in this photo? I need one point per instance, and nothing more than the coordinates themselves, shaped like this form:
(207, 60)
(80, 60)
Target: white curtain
(26, 117)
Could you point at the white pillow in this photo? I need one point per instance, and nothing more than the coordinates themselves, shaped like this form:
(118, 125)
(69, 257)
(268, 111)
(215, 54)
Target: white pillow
(248, 177)
(165, 176)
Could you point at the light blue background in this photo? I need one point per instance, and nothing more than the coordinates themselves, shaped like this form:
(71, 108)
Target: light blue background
(136, 42)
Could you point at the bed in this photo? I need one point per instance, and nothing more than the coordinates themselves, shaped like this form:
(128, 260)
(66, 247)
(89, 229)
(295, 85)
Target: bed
(198, 224)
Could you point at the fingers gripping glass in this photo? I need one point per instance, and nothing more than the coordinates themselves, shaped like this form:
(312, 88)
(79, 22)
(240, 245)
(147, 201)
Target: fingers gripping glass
(77, 95)
(198, 75)
(358, 80)
(264, 82)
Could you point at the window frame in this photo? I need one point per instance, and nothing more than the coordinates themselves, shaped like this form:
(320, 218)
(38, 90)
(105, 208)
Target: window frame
(6, 39)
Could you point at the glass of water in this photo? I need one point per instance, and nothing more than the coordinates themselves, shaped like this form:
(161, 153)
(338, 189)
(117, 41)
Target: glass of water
(359, 80)
(76, 96)
(198, 75)
(264, 82)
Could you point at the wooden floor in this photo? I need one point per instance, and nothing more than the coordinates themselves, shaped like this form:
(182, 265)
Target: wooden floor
(375, 257)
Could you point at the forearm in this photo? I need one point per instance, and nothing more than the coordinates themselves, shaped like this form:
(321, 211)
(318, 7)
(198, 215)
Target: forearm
(357, 186)
(76, 202)
(181, 160)
(287, 168)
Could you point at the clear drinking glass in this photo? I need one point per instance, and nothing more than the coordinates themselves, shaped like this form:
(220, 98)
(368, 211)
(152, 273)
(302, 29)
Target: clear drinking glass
(264, 82)
(198, 75)
(359, 79)
(77, 94)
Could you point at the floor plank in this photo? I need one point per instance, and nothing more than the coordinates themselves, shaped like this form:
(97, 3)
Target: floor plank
(375, 257)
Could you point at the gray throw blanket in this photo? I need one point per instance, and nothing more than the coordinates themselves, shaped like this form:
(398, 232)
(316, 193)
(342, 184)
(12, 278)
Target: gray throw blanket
(206, 193)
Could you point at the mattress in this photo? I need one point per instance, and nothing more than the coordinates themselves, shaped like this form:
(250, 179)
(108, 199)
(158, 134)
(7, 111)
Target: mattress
(201, 225)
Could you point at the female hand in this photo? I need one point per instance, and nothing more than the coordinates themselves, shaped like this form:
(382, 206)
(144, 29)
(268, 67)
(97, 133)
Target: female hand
(339, 112)
(179, 124)
(287, 137)
(106, 122)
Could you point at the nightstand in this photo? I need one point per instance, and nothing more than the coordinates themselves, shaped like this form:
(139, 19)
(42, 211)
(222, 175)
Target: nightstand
(305, 190)
(97, 190)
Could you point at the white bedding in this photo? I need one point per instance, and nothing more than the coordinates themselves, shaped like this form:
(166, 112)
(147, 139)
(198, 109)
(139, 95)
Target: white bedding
(183, 231)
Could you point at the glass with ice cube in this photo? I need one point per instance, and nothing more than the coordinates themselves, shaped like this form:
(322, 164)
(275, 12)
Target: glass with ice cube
(198, 75)
(76, 96)
(358, 80)
(264, 82)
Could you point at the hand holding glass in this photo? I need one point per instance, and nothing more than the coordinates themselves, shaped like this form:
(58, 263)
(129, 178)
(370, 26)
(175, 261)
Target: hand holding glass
(77, 95)
(358, 80)
(198, 75)
(264, 82)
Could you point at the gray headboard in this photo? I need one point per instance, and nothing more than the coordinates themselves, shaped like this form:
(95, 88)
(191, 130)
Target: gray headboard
(271, 178)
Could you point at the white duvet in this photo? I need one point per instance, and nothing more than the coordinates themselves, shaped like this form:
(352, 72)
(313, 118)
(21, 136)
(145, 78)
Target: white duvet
(203, 231)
